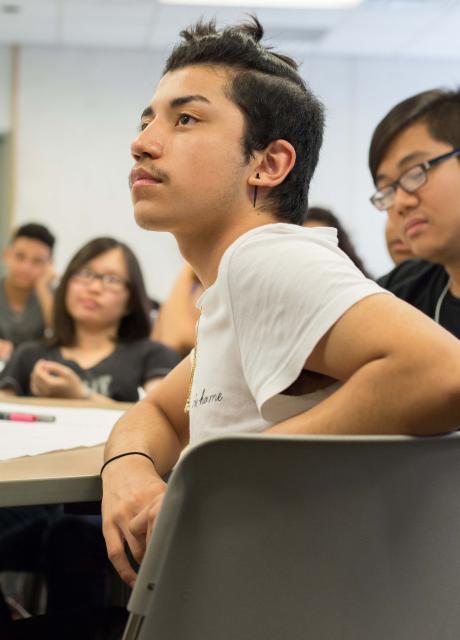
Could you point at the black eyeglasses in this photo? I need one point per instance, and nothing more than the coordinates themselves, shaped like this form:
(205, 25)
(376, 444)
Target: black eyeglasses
(110, 281)
(411, 180)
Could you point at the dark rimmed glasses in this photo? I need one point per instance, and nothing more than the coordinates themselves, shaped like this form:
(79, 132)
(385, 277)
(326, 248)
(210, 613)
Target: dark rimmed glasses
(110, 281)
(411, 181)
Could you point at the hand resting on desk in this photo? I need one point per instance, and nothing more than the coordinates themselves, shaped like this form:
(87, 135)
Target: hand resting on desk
(54, 380)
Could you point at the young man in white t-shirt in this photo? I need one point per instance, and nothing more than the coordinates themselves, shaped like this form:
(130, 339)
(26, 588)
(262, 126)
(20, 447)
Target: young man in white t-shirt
(292, 337)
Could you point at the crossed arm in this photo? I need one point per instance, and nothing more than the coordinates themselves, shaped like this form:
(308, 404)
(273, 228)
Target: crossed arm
(400, 374)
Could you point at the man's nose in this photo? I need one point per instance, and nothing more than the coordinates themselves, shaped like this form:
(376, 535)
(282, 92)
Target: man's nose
(404, 201)
(148, 143)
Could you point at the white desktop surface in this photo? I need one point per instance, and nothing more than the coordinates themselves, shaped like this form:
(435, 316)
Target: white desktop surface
(55, 477)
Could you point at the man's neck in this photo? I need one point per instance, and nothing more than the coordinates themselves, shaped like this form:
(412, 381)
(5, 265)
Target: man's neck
(17, 296)
(204, 252)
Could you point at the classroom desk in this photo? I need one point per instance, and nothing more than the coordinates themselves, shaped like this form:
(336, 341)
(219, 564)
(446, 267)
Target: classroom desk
(55, 477)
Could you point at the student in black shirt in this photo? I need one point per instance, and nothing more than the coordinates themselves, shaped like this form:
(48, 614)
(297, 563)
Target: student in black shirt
(101, 346)
(414, 159)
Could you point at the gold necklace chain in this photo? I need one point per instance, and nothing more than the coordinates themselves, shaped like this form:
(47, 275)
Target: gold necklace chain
(192, 373)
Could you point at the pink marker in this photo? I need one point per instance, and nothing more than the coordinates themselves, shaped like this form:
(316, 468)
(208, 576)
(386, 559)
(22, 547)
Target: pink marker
(26, 417)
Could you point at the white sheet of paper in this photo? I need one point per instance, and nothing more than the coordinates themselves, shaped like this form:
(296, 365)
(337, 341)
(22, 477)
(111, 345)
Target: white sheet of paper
(74, 427)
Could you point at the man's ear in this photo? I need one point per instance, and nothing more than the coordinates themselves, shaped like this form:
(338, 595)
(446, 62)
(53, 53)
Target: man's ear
(274, 163)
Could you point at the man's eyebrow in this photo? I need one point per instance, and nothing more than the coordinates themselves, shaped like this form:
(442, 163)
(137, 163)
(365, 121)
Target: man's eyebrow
(176, 102)
(147, 113)
(179, 102)
(407, 160)
(412, 157)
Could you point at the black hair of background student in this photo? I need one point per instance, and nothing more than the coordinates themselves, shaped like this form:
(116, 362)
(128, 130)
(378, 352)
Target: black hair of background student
(34, 231)
(439, 109)
(328, 219)
(274, 100)
(135, 325)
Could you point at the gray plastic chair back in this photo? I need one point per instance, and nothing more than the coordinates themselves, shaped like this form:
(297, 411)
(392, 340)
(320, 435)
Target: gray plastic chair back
(275, 538)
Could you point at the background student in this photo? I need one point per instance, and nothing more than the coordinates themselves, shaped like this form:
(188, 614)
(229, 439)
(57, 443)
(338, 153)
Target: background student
(26, 299)
(101, 347)
(100, 350)
(414, 159)
(398, 249)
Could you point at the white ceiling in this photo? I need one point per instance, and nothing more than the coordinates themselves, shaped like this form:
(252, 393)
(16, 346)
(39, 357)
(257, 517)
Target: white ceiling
(413, 28)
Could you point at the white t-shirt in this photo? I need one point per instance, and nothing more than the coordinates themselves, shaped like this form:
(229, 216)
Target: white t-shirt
(279, 289)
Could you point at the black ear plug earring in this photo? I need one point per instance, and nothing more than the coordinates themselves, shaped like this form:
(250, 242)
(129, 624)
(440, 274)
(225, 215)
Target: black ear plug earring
(255, 192)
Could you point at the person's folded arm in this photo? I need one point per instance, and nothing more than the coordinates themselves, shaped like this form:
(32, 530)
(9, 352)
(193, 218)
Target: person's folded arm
(400, 374)
(45, 295)
(132, 486)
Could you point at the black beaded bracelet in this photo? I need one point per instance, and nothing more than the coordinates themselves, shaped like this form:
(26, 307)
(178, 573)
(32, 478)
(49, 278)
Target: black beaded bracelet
(122, 455)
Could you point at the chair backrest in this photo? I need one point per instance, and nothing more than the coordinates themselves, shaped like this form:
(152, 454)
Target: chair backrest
(276, 538)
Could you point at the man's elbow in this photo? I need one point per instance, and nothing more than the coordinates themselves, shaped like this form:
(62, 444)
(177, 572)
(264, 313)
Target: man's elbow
(444, 394)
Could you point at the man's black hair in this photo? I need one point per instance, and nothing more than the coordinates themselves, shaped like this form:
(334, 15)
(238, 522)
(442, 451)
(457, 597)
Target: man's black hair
(35, 231)
(274, 99)
(438, 109)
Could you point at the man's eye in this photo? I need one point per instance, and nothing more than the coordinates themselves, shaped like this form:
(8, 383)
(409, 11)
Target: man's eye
(142, 126)
(185, 118)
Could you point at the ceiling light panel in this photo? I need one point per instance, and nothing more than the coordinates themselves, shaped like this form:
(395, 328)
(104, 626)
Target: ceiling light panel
(285, 4)
(31, 23)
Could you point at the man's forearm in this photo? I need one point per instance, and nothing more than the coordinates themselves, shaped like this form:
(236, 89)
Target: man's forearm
(46, 302)
(145, 428)
(383, 397)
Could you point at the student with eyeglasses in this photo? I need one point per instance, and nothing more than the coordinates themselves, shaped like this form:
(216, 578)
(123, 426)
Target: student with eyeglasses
(414, 160)
(101, 332)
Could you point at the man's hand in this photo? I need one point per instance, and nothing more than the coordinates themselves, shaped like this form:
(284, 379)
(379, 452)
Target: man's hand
(132, 497)
(132, 486)
(6, 349)
(54, 380)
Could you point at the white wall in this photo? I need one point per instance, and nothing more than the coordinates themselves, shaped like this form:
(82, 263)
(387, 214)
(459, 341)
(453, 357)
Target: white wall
(5, 68)
(78, 110)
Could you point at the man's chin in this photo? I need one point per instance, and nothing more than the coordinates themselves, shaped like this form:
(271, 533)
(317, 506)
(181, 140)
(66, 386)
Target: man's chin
(26, 285)
(428, 251)
(151, 218)
(148, 221)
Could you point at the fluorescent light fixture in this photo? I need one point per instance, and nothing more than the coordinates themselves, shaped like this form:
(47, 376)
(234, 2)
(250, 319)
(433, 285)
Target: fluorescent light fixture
(270, 4)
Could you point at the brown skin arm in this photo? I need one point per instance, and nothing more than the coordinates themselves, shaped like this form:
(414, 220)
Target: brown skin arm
(401, 374)
(132, 486)
(45, 295)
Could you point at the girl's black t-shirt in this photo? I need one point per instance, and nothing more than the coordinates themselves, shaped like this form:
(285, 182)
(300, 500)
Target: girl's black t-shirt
(117, 376)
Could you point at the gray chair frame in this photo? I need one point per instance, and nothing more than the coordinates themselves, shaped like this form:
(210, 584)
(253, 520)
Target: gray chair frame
(321, 538)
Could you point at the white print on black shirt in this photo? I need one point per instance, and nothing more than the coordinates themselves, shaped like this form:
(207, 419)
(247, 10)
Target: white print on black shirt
(199, 401)
(101, 384)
